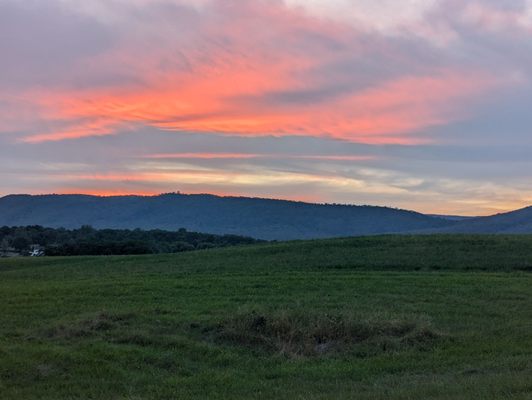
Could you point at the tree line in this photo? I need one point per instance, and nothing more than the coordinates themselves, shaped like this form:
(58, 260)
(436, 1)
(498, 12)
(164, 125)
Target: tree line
(90, 241)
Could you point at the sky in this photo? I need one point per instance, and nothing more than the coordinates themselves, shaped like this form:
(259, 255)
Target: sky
(417, 104)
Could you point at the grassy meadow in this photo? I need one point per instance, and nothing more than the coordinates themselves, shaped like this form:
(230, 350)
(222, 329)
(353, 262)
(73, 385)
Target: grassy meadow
(386, 317)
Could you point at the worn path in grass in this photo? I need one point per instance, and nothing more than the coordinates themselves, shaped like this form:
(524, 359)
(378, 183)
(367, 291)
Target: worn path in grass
(141, 327)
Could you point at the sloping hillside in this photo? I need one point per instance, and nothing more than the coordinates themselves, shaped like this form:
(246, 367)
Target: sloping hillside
(369, 318)
(258, 218)
(519, 221)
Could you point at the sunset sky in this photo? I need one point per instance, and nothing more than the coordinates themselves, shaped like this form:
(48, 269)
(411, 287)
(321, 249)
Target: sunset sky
(417, 104)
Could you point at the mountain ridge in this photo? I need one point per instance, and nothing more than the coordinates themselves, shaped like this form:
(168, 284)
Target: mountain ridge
(256, 217)
(512, 222)
(261, 218)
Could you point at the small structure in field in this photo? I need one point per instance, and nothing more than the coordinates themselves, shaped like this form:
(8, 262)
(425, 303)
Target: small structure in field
(36, 250)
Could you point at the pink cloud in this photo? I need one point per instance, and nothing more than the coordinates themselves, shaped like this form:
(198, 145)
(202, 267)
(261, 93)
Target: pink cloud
(254, 68)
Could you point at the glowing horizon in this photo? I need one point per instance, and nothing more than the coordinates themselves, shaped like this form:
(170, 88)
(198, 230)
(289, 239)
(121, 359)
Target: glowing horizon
(501, 208)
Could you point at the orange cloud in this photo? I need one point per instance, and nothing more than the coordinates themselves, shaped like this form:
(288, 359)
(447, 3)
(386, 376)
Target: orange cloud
(105, 192)
(388, 113)
(253, 68)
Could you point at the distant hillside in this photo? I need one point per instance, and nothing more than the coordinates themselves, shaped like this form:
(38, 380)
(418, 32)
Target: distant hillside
(258, 218)
(519, 221)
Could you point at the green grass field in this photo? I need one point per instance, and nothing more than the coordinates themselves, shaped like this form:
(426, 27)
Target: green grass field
(389, 317)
